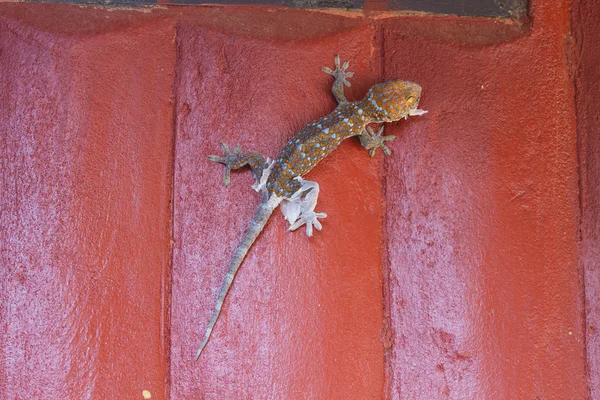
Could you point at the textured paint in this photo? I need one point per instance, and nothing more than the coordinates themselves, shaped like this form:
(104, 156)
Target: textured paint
(477, 209)
(304, 315)
(85, 180)
(586, 27)
(482, 208)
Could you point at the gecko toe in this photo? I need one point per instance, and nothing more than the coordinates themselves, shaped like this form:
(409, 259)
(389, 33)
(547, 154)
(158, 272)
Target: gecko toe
(217, 159)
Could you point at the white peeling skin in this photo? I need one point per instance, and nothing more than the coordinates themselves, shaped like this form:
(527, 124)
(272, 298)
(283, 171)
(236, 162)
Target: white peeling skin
(310, 219)
(416, 112)
(307, 206)
(274, 201)
(291, 210)
(262, 182)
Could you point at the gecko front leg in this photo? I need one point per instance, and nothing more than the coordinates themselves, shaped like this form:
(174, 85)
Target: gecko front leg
(299, 209)
(340, 76)
(371, 140)
(234, 160)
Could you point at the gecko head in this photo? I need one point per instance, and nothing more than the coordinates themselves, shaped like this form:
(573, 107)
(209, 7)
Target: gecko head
(393, 100)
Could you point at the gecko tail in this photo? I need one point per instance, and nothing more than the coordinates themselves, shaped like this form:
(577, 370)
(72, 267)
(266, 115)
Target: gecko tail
(259, 221)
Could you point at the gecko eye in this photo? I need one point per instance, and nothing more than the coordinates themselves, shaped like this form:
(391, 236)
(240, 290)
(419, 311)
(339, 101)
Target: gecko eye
(411, 100)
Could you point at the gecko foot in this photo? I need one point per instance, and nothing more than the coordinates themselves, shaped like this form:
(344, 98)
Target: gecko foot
(371, 141)
(310, 219)
(229, 160)
(299, 209)
(340, 73)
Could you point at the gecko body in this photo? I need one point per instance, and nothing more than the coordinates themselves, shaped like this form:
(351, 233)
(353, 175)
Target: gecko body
(280, 181)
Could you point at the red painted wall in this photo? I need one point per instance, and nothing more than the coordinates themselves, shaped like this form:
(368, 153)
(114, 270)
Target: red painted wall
(450, 270)
(304, 317)
(86, 154)
(482, 209)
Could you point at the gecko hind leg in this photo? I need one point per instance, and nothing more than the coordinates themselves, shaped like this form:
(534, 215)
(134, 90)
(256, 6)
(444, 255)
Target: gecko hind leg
(372, 141)
(340, 76)
(234, 160)
(299, 209)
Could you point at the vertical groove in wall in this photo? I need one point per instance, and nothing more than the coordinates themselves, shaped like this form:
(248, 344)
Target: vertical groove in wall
(584, 73)
(574, 43)
(168, 276)
(386, 334)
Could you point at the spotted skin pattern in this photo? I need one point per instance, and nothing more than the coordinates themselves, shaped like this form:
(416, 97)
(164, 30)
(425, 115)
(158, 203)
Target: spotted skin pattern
(281, 181)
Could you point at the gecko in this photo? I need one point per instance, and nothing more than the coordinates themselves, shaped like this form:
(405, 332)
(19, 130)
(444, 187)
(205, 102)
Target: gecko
(280, 181)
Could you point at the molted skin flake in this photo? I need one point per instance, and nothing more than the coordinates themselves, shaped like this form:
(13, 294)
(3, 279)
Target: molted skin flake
(280, 181)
